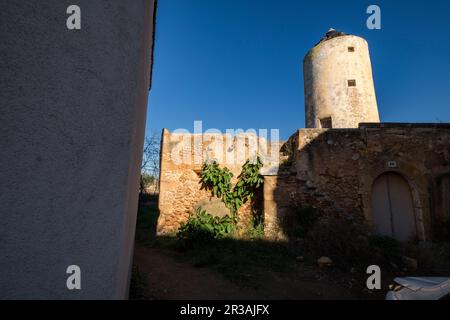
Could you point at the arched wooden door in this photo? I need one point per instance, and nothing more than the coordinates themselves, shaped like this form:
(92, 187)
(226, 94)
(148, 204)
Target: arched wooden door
(392, 205)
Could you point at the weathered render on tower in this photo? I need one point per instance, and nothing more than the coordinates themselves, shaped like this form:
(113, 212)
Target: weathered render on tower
(339, 87)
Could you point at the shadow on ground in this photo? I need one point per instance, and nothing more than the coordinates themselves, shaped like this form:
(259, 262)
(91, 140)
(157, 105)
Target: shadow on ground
(165, 268)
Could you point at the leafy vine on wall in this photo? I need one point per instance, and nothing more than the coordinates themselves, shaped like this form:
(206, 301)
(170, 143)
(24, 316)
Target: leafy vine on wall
(218, 181)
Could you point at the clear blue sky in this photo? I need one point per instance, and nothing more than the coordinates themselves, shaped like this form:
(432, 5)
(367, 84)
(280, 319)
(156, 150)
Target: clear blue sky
(237, 63)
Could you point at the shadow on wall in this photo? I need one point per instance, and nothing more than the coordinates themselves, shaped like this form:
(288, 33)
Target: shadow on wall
(386, 176)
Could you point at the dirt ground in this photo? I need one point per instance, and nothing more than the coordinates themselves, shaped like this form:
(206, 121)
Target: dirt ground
(168, 277)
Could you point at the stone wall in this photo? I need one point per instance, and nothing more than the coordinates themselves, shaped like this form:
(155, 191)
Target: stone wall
(331, 170)
(182, 157)
(334, 170)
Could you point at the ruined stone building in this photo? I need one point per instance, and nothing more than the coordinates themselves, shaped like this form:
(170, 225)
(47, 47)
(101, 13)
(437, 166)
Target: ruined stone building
(395, 176)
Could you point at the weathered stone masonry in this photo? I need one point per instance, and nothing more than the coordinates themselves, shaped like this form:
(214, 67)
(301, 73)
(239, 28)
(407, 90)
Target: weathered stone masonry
(334, 171)
(182, 157)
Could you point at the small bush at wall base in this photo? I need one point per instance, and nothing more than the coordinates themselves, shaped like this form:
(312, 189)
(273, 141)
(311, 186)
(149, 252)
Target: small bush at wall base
(256, 230)
(203, 227)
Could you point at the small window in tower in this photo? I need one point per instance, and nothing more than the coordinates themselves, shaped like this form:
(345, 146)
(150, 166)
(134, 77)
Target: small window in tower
(351, 49)
(326, 123)
(352, 83)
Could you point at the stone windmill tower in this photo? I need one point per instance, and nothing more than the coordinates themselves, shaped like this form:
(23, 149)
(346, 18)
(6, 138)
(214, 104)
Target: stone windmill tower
(339, 88)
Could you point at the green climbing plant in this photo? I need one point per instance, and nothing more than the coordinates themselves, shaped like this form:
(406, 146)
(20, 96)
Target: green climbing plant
(218, 180)
(202, 226)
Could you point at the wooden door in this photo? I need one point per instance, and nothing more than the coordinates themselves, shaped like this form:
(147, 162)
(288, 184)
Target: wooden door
(392, 204)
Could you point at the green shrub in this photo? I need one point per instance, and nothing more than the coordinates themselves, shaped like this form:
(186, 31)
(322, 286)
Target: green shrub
(256, 230)
(203, 227)
(218, 181)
